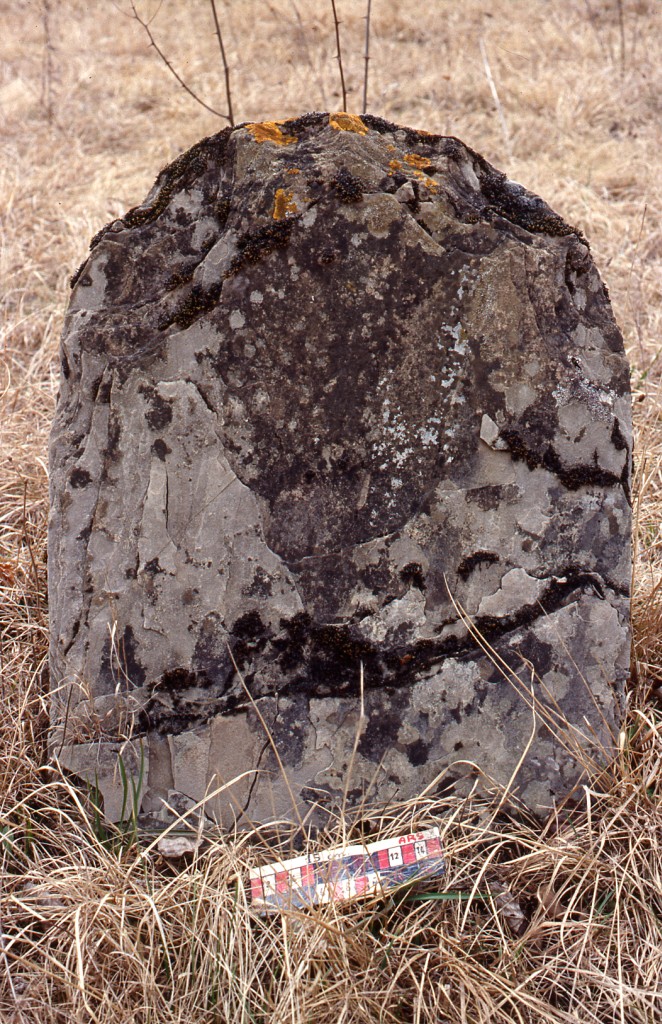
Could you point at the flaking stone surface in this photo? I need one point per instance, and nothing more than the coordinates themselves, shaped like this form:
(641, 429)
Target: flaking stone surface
(336, 396)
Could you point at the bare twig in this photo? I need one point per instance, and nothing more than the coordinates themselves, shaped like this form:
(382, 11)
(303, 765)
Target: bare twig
(497, 101)
(339, 55)
(226, 69)
(366, 58)
(187, 88)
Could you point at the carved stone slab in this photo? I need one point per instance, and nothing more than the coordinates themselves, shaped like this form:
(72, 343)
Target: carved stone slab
(340, 483)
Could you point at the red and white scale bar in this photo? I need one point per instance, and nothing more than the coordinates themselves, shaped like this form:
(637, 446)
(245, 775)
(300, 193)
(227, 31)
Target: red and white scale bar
(346, 872)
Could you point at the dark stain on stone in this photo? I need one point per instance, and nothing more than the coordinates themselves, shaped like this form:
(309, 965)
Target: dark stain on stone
(381, 732)
(249, 636)
(74, 633)
(261, 584)
(159, 414)
(134, 671)
(79, 478)
(617, 439)
(211, 657)
(417, 752)
(105, 388)
(111, 451)
(492, 495)
(160, 449)
(300, 125)
(222, 204)
(84, 534)
(537, 652)
(327, 658)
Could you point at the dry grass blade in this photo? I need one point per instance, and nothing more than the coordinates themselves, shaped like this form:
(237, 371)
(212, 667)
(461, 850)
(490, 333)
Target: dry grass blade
(97, 925)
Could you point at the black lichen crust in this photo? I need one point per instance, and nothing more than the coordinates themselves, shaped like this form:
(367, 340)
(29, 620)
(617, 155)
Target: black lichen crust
(75, 277)
(255, 245)
(507, 199)
(514, 203)
(198, 302)
(471, 562)
(349, 188)
(180, 174)
(321, 661)
(572, 477)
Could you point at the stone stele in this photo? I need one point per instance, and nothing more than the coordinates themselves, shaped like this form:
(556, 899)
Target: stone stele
(340, 484)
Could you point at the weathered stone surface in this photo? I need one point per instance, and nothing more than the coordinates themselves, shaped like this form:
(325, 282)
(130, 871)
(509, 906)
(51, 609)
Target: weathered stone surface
(334, 392)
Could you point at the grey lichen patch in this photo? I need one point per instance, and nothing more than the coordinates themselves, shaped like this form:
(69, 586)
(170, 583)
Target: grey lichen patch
(336, 397)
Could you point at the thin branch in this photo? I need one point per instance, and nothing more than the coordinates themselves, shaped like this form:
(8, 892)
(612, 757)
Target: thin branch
(145, 25)
(226, 69)
(339, 55)
(366, 58)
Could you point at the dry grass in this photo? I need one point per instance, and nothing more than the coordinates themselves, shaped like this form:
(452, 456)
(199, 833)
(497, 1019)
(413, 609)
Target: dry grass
(91, 929)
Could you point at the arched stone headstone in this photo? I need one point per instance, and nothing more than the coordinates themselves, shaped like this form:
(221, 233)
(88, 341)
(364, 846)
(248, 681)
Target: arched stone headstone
(340, 469)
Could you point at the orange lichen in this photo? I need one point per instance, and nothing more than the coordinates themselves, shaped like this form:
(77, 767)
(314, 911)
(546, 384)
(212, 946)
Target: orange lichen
(268, 131)
(283, 204)
(293, 170)
(347, 123)
(395, 165)
(417, 161)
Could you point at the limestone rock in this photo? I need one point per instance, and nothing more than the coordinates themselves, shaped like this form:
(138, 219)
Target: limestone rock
(344, 413)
